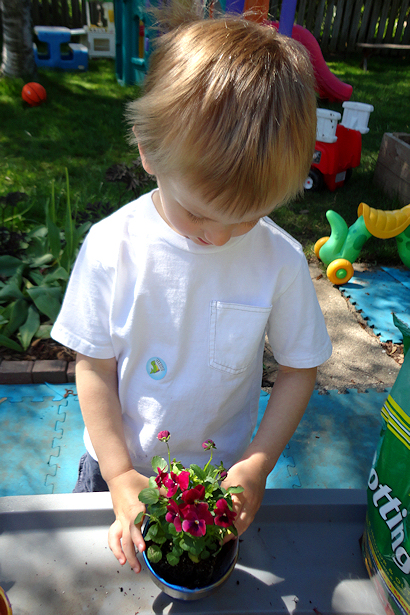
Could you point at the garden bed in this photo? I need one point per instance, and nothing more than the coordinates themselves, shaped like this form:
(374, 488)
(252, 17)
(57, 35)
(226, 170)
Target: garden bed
(39, 350)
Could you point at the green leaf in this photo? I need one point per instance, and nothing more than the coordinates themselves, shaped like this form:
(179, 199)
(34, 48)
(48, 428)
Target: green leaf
(43, 332)
(36, 277)
(159, 462)
(198, 471)
(194, 558)
(59, 274)
(18, 315)
(192, 545)
(37, 247)
(47, 300)
(237, 489)
(83, 229)
(40, 232)
(9, 265)
(173, 559)
(139, 518)
(8, 343)
(54, 240)
(28, 329)
(10, 292)
(149, 496)
(69, 224)
(184, 545)
(154, 553)
(40, 261)
(152, 532)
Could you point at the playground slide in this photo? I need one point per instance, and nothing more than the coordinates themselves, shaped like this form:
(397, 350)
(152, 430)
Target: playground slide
(328, 85)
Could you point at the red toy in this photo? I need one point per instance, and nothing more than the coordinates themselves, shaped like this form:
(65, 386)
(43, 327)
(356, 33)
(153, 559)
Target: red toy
(338, 147)
(33, 94)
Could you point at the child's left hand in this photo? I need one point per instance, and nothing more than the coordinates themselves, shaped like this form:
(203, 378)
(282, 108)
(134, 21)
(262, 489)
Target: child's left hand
(249, 474)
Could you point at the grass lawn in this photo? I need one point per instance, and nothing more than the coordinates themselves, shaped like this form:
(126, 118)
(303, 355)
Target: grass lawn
(81, 128)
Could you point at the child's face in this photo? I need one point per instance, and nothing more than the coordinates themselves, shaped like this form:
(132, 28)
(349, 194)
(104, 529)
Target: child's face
(185, 211)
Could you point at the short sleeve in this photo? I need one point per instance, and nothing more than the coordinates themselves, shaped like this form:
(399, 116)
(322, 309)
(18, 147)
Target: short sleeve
(83, 323)
(296, 330)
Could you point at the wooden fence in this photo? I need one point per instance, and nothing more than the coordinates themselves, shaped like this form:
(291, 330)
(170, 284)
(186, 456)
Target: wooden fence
(337, 24)
(69, 13)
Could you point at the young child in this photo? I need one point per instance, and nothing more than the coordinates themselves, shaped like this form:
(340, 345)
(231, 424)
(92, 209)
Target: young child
(170, 298)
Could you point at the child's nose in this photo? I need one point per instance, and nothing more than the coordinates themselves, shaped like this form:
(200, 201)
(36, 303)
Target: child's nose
(219, 236)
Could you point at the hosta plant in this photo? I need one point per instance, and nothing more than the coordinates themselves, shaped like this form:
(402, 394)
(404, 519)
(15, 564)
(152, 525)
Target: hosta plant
(189, 511)
(32, 286)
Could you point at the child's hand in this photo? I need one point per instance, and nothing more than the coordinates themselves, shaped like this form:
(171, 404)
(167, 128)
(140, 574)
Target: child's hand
(124, 536)
(252, 478)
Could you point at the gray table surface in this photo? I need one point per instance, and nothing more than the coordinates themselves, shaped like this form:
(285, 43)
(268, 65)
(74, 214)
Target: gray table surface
(301, 555)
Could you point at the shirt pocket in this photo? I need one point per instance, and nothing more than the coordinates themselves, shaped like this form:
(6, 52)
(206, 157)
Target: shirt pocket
(236, 332)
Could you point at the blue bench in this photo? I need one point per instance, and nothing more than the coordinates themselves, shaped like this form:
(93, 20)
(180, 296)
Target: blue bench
(54, 37)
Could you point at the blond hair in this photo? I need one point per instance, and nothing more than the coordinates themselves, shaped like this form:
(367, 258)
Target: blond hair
(229, 105)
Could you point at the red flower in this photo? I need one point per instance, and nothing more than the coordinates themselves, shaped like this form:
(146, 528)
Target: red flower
(204, 513)
(175, 481)
(224, 516)
(160, 478)
(164, 436)
(194, 495)
(174, 515)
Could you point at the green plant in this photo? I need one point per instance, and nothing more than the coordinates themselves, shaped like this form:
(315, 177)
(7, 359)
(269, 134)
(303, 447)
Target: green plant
(12, 238)
(195, 513)
(32, 286)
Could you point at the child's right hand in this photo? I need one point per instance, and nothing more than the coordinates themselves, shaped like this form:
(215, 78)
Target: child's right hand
(124, 536)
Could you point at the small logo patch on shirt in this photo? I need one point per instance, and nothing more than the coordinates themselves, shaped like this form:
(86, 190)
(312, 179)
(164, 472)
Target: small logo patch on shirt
(156, 368)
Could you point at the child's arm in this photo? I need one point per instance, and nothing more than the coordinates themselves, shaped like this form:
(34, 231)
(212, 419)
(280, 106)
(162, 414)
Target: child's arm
(98, 394)
(289, 398)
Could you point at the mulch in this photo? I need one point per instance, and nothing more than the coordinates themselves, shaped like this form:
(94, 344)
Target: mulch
(39, 350)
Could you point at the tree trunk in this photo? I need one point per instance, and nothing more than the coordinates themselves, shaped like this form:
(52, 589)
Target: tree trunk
(18, 56)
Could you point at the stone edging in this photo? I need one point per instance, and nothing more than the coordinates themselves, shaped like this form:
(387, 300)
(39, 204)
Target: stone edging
(37, 372)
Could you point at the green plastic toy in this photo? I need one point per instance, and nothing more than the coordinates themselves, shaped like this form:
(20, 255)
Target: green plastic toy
(342, 248)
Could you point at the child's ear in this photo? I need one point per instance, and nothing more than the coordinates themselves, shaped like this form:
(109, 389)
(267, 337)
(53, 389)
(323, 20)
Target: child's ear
(147, 166)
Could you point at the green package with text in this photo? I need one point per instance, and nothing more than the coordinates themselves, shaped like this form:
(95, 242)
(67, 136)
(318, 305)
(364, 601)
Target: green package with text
(386, 540)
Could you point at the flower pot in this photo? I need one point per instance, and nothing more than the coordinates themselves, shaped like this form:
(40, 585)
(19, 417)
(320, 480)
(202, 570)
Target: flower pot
(224, 564)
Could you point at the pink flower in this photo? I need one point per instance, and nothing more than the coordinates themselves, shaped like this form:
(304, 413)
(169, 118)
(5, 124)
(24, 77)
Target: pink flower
(208, 444)
(164, 436)
(175, 481)
(160, 478)
(174, 515)
(224, 516)
(194, 495)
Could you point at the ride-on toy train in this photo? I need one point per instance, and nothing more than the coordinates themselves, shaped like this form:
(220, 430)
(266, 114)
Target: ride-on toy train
(338, 147)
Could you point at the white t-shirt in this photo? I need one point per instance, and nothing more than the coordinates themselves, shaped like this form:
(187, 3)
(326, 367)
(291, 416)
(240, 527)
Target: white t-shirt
(186, 324)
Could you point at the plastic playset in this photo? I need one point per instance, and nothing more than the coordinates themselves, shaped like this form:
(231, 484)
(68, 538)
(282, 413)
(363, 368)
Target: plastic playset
(54, 37)
(338, 147)
(342, 248)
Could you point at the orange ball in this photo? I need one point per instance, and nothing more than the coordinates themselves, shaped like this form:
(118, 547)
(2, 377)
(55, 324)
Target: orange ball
(34, 94)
